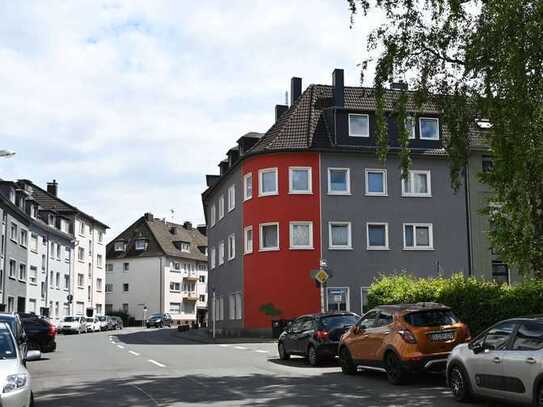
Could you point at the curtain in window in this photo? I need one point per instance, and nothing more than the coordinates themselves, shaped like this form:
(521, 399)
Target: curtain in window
(340, 235)
(300, 235)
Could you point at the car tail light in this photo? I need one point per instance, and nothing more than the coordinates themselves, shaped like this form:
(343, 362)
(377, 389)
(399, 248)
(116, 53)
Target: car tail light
(320, 335)
(408, 336)
(52, 330)
(467, 333)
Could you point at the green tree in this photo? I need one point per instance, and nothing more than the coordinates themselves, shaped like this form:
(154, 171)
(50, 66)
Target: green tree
(484, 58)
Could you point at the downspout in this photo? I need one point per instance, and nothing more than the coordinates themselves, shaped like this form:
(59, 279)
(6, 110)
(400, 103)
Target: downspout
(5, 232)
(468, 218)
(161, 287)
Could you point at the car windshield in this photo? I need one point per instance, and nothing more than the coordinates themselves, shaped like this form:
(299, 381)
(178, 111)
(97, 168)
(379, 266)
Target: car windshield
(431, 318)
(155, 316)
(7, 347)
(338, 321)
(71, 319)
(90, 319)
(102, 318)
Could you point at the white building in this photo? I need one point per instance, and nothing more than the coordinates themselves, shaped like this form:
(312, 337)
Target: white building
(160, 266)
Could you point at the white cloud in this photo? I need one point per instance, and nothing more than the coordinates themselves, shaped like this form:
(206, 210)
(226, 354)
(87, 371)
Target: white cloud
(129, 103)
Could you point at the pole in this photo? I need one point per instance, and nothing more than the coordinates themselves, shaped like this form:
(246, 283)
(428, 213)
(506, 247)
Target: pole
(214, 313)
(323, 308)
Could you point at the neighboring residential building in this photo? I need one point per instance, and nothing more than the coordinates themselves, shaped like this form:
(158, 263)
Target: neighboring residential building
(159, 265)
(312, 189)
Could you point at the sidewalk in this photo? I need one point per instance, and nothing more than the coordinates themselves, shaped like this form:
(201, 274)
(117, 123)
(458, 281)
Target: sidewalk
(203, 336)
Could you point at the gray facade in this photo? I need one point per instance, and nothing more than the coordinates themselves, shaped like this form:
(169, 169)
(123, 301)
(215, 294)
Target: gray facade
(444, 210)
(225, 279)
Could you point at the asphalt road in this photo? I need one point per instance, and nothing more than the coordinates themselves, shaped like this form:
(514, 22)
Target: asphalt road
(155, 368)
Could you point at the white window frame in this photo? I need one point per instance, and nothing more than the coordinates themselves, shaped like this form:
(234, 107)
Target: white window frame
(347, 297)
(413, 132)
(212, 215)
(291, 235)
(436, 119)
(246, 197)
(178, 309)
(139, 244)
(213, 258)
(231, 197)
(260, 174)
(261, 247)
(415, 246)
(246, 248)
(362, 289)
(385, 181)
(410, 181)
(349, 245)
(220, 260)
(347, 180)
(231, 246)
(221, 207)
(291, 189)
(386, 246)
(367, 135)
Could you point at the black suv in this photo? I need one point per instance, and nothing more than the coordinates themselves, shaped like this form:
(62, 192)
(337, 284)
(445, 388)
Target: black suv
(315, 336)
(40, 333)
(159, 320)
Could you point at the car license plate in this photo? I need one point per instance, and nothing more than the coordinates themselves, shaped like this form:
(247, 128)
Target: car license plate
(442, 336)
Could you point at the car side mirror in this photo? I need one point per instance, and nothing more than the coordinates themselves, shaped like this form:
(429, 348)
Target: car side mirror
(477, 348)
(32, 355)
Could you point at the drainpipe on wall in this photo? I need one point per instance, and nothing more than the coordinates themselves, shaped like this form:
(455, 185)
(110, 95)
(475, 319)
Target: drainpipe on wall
(468, 219)
(161, 287)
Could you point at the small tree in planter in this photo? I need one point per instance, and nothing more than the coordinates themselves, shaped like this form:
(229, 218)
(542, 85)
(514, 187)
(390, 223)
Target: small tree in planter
(270, 310)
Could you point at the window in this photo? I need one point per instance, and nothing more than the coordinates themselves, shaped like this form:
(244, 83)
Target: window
(175, 287)
(51, 278)
(43, 262)
(175, 307)
(202, 279)
(32, 305)
(247, 186)
(57, 281)
(417, 236)
(221, 252)
(363, 300)
(377, 236)
(487, 164)
(99, 261)
(81, 254)
(498, 336)
(410, 127)
(80, 280)
(212, 215)
(22, 272)
(429, 128)
(34, 242)
(119, 246)
(100, 237)
(500, 272)
(267, 182)
(109, 287)
(66, 282)
(185, 247)
(376, 182)
(221, 207)
(231, 198)
(12, 268)
(359, 125)
(248, 238)
(212, 258)
(269, 236)
(338, 298)
(529, 336)
(140, 244)
(33, 276)
(219, 308)
(109, 267)
(417, 184)
(125, 308)
(13, 232)
(339, 182)
(125, 287)
(202, 298)
(299, 180)
(66, 253)
(24, 238)
(81, 228)
(231, 246)
(11, 304)
(126, 267)
(339, 235)
(59, 251)
(98, 284)
(109, 308)
(234, 306)
(301, 235)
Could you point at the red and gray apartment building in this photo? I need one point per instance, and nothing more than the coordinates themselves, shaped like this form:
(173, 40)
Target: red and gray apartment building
(310, 189)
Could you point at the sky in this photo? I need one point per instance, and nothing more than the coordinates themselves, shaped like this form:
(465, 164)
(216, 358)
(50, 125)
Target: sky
(129, 104)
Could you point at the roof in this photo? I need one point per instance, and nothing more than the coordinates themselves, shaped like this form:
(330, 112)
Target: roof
(160, 240)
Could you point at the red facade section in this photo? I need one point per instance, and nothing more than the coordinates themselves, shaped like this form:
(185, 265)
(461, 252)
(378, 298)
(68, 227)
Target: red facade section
(281, 278)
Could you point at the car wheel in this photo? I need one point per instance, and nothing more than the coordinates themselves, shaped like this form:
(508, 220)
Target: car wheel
(346, 361)
(283, 355)
(312, 356)
(394, 369)
(459, 383)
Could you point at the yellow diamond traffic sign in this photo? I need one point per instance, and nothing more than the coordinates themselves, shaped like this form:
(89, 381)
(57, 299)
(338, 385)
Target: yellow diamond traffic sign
(321, 276)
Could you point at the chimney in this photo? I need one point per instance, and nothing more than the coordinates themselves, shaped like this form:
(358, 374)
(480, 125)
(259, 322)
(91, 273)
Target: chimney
(52, 187)
(401, 85)
(295, 89)
(148, 217)
(187, 225)
(202, 229)
(338, 90)
(279, 110)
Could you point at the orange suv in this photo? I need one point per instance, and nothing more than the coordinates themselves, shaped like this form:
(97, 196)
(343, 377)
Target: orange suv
(398, 339)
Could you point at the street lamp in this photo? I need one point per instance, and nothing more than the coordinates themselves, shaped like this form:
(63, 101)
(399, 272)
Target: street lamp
(7, 153)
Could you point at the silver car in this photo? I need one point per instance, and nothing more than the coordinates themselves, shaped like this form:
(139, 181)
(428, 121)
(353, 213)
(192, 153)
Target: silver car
(505, 362)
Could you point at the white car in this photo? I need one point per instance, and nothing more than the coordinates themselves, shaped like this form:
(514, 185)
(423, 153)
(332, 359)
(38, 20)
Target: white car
(73, 324)
(15, 378)
(93, 324)
(104, 322)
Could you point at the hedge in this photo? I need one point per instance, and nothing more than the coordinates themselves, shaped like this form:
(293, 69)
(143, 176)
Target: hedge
(479, 303)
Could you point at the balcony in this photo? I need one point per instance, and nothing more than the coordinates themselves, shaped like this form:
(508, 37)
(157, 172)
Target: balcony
(190, 275)
(189, 295)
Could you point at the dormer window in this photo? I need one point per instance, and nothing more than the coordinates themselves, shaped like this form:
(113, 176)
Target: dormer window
(140, 244)
(429, 128)
(51, 219)
(359, 125)
(12, 195)
(119, 246)
(185, 247)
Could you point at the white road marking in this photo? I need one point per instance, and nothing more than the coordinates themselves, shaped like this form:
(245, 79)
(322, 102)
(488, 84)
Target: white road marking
(261, 351)
(133, 353)
(154, 362)
(120, 346)
(224, 346)
(240, 347)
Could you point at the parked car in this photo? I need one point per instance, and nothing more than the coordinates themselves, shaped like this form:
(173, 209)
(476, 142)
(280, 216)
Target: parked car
(14, 322)
(159, 320)
(315, 336)
(41, 334)
(400, 339)
(505, 362)
(93, 324)
(73, 324)
(16, 380)
(117, 322)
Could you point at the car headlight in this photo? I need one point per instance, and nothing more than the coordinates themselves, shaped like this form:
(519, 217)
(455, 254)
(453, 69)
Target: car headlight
(14, 382)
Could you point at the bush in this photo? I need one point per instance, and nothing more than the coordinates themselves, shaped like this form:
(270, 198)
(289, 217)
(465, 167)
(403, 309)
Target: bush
(479, 303)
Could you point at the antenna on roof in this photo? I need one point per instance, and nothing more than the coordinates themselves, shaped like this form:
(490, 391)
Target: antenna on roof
(173, 213)
(286, 97)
